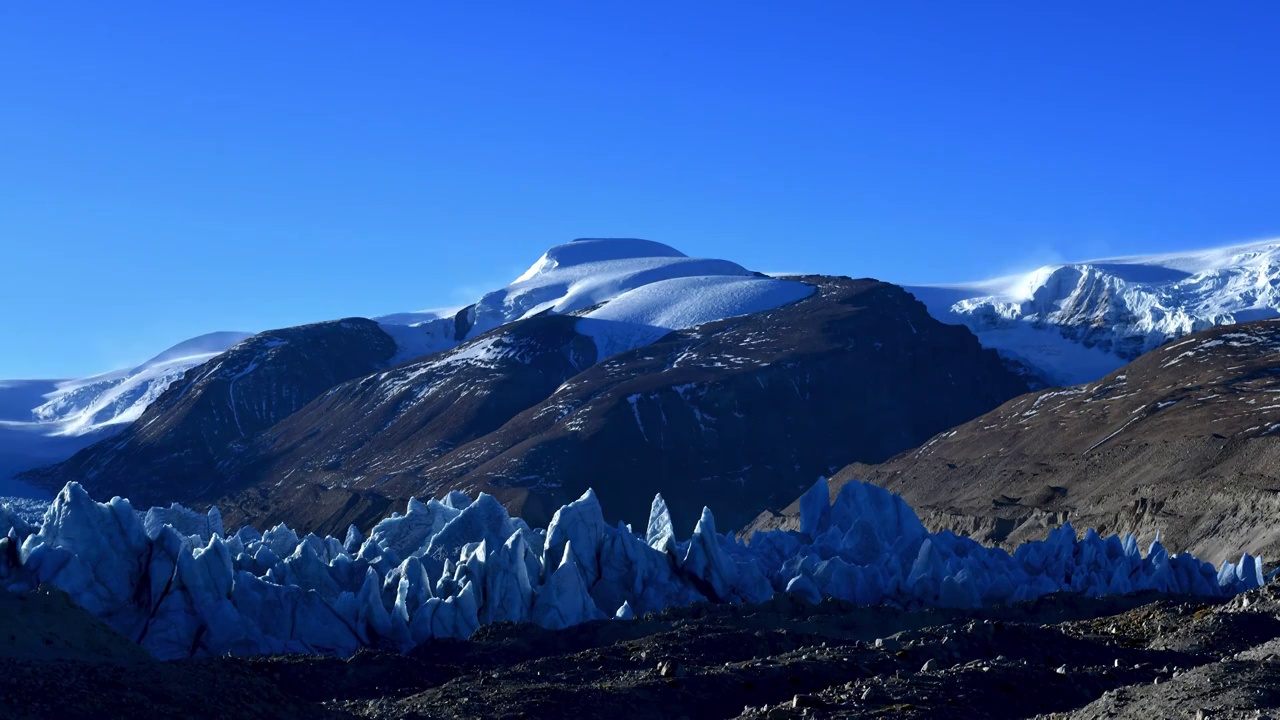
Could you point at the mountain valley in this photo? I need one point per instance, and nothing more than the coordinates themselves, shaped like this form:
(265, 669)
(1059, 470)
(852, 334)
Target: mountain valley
(515, 471)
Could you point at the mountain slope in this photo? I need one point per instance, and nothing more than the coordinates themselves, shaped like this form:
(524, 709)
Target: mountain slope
(45, 421)
(1184, 441)
(621, 292)
(743, 411)
(1075, 323)
(79, 407)
(175, 447)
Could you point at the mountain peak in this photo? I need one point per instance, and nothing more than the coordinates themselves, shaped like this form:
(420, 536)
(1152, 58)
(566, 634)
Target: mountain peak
(593, 250)
(201, 346)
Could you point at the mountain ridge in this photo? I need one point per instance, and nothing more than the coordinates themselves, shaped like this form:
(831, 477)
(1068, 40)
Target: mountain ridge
(492, 412)
(1075, 322)
(1058, 325)
(1183, 443)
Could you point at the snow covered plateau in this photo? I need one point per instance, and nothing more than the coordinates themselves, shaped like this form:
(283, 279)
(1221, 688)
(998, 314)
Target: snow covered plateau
(177, 583)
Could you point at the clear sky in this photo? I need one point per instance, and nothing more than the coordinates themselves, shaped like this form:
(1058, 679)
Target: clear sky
(169, 169)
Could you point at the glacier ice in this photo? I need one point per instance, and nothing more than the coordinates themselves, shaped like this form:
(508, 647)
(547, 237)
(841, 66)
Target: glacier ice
(95, 552)
(642, 315)
(173, 580)
(660, 532)
(186, 522)
(564, 601)
(578, 526)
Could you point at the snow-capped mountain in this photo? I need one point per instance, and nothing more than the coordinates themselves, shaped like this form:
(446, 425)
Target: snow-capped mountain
(1076, 322)
(634, 292)
(630, 292)
(585, 387)
(1066, 323)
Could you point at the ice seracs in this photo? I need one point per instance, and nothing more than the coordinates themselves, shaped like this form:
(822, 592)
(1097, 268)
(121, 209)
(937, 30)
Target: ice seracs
(185, 588)
(94, 551)
(186, 522)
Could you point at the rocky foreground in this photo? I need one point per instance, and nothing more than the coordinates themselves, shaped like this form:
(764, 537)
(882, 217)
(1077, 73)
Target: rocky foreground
(1138, 656)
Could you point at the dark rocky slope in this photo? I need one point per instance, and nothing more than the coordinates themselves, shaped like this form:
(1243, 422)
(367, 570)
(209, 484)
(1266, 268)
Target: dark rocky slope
(178, 449)
(737, 414)
(306, 425)
(352, 455)
(1184, 441)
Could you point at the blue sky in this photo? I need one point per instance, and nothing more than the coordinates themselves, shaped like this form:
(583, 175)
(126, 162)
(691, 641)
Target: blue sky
(170, 169)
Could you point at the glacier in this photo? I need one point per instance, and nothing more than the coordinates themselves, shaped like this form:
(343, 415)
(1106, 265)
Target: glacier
(641, 316)
(173, 580)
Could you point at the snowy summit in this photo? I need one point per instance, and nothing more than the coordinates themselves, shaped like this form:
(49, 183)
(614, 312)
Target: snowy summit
(630, 292)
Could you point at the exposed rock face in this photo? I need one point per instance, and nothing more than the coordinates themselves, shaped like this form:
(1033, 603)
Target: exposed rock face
(176, 449)
(1183, 441)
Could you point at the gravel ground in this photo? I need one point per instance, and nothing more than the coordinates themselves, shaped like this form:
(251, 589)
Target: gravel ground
(1148, 656)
